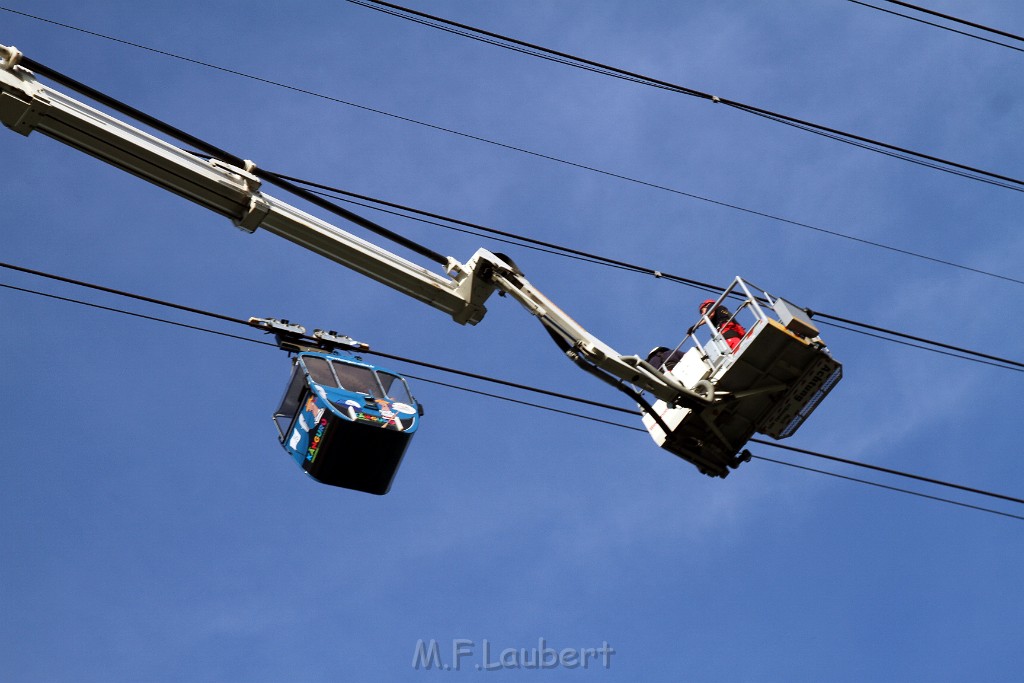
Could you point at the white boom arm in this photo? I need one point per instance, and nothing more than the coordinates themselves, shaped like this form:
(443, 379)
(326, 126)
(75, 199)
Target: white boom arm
(26, 105)
(581, 346)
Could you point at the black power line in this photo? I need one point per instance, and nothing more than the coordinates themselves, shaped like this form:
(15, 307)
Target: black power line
(527, 403)
(957, 20)
(551, 247)
(132, 313)
(500, 40)
(936, 25)
(923, 347)
(359, 220)
(291, 185)
(540, 155)
(888, 488)
(241, 321)
(528, 388)
(517, 401)
(887, 470)
(567, 252)
(833, 233)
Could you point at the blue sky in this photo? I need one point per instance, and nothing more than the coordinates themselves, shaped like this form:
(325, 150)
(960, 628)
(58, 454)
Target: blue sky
(154, 530)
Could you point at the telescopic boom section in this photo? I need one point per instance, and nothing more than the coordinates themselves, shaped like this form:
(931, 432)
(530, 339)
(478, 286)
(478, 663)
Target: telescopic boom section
(578, 343)
(26, 105)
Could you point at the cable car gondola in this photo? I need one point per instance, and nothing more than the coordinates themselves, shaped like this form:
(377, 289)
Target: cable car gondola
(344, 421)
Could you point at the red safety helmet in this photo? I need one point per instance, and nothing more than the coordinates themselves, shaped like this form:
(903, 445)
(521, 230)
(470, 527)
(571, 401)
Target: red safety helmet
(704, 305)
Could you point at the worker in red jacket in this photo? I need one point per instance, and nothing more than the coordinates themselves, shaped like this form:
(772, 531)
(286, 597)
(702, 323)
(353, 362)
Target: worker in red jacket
(730, 330)
(665, 359)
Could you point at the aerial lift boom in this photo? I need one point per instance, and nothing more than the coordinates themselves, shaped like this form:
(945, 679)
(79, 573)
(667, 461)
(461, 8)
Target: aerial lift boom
(696, 415)
(26, 105)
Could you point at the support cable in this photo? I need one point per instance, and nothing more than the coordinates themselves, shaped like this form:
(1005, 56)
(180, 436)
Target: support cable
(289, 184)
(921, 347)
(500, 40)
(811, 453)
(241, 321)
(944, 28)
(530, 405)
(1014, 365)
(889, 488)
(550, 247)
(352, 197)
(887, 470)
(949, 17)
(893, 335)
(540, 155)
(140, 315)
